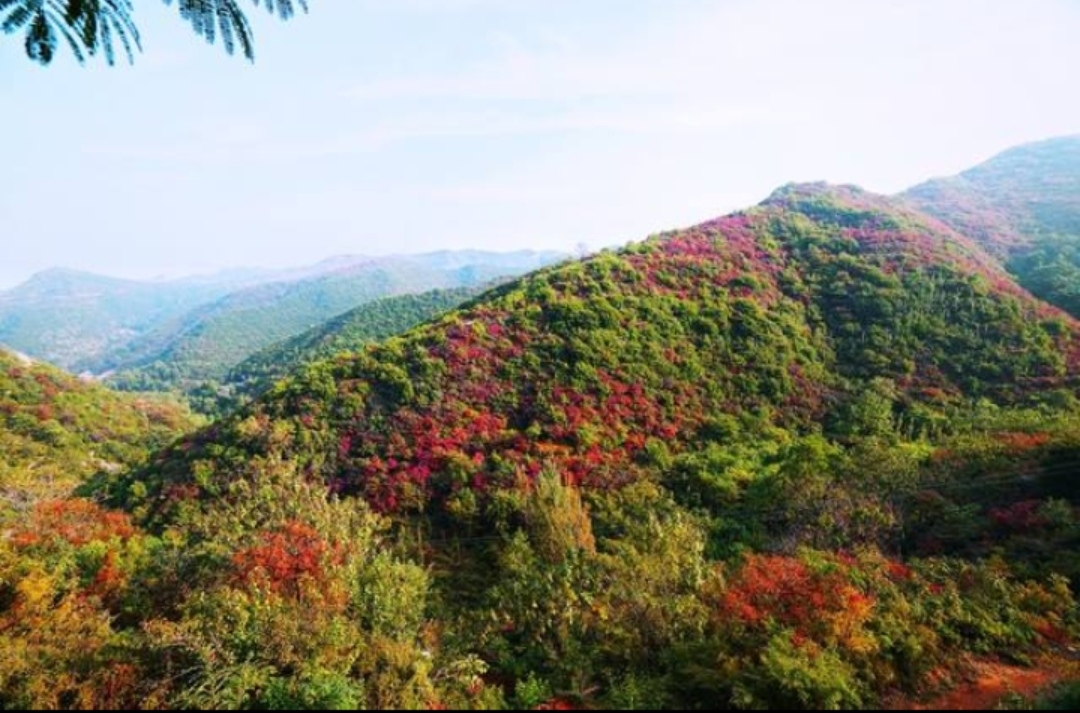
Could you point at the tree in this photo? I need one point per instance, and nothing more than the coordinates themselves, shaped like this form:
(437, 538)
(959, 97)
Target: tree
(104, 27)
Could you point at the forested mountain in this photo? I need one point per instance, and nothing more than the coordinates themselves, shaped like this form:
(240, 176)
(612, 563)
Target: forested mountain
(202, 346)
(348, 333)
(68, 317)
(1024, 206)
(762, 462)
(816, 454)
(788, 311)
(56, 431)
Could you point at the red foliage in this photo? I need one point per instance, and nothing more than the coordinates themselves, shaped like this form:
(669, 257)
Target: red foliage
(558, 704)
(286, 559)
(786, 591)
(1020, 517)
(899, 572)
(1053, 634)
(77, 522)
(119, 688)
(109, 580)
(1019, 443)
(181, 492)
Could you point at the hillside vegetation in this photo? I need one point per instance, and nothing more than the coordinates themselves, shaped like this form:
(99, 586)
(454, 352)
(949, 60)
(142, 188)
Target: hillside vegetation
(806, 456)
(1025, 206)
(56, 431)
(348, 333)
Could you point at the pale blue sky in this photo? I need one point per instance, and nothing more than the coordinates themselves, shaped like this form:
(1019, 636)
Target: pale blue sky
(378, 126)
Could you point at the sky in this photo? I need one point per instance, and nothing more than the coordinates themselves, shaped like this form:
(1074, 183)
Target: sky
(391, 126)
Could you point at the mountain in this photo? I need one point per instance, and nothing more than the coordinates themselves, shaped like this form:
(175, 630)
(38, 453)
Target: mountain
(509, 263)
(1024, 206)
(204, 344)
(66, 317)
(786, 311)
(84, 322)
(813, 455)
(350, 332)
(764, 461)
(55, 431)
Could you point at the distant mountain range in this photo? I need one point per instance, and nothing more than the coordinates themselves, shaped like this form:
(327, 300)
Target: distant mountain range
(179, 334)
(68, 317)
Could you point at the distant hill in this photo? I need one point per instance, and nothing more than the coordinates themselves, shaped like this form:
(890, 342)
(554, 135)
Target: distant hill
(1023, 206)
(67, 317)
(348, 333)
(202, 345)
(56, 431)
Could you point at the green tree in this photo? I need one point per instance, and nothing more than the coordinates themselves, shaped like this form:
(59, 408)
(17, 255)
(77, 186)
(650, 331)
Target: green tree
(103, 27)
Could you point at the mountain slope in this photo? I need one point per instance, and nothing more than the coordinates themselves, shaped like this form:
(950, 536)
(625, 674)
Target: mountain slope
(348, 333)
(802, 457)
(55, 430)
(204, 344)
(1024, 206)
(787, 312)
(66, 317)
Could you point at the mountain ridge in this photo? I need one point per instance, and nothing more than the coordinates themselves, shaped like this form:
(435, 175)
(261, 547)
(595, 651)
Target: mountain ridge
(1023, 205)
(349, 332)
(794, 280)
(202, 345)
(87, 323)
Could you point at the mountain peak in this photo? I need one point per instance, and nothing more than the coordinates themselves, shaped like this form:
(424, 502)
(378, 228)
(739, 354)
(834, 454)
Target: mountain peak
(56, 274)
(815, 189)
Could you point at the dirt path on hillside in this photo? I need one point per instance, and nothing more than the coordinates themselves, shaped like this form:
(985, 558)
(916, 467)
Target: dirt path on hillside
(989, 684)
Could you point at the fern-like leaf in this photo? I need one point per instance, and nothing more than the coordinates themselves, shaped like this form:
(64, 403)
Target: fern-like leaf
(213, 18)
(87, 26)
(90, 27)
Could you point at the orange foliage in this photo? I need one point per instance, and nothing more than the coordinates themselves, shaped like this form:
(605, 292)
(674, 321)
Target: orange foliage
(820, 606)
(109, 579)
(77, 522)
(1022, 442)
(286, 559)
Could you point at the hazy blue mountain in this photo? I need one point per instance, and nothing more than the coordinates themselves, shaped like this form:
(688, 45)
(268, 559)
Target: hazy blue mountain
(85, 322)
(68, 317)
(202, 345)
